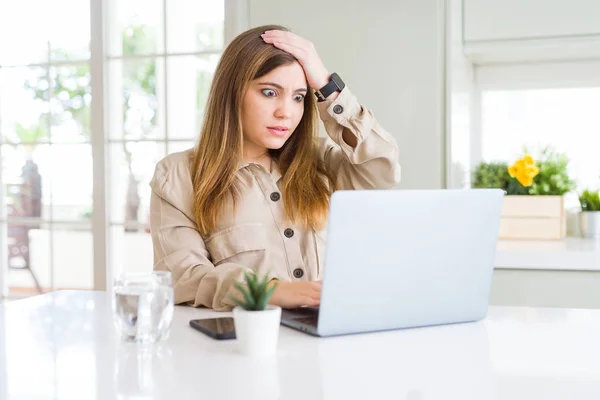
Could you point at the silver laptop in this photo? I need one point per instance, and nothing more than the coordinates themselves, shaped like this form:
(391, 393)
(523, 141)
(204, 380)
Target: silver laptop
(404, 258)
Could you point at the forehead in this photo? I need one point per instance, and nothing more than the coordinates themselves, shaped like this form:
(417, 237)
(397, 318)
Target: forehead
(288, 75)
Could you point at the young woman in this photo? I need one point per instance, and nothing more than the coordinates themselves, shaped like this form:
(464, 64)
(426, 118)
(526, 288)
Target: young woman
(254, 193)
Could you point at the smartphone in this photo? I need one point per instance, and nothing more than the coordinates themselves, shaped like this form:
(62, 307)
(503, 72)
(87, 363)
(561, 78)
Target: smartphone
(217, 328)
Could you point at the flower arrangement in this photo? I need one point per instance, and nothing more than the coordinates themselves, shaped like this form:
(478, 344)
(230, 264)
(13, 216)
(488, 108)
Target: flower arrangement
(548, 175)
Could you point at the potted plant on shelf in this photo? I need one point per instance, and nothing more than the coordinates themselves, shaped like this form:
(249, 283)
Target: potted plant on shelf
(589, 217)
(534, 203)
(256, 321)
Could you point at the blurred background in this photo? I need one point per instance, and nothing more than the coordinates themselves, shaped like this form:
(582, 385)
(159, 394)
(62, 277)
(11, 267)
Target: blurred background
(94, 93)
(158, 60)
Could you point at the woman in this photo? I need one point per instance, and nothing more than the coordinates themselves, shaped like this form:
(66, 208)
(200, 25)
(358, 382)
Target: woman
(254, 193)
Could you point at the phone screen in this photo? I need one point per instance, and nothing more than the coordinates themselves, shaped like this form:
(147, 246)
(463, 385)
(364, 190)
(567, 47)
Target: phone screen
(220, 328)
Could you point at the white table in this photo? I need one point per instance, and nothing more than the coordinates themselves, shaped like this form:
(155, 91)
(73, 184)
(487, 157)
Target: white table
(62, 345)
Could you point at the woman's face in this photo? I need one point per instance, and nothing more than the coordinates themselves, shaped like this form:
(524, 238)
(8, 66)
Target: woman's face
(272, 109)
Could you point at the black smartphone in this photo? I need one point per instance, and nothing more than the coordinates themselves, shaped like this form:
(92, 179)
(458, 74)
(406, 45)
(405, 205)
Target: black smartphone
(217, 328)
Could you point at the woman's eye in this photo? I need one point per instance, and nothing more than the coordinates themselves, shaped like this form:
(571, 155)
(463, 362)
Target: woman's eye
(268, 92)
(299, 97)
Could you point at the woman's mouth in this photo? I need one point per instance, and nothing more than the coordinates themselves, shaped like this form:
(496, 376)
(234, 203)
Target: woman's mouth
(279, 131)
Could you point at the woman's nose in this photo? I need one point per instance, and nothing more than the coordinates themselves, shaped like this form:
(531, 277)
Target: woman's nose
(284, 110)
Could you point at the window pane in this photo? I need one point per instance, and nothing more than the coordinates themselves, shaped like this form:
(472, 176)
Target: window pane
(131, 251)
(69, 22)
(28, 259)
(136, 99)
(131, 169)
(135, 27)
(72, 257)
(174, 147)
(194, 25)
(24, 106)
(35, 30)
(70, 104)
(189, 80)
(565, 119)
(35, 249)
(71, 176)
(26, 179)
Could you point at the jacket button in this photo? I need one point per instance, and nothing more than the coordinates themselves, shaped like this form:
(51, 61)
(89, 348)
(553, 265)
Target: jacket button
(298, 273)
(288, 233)
(275, 196)
(338, 109)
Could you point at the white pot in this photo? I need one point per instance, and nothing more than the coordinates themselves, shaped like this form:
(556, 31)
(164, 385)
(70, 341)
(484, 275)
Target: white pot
(257, 332)
(589, 223)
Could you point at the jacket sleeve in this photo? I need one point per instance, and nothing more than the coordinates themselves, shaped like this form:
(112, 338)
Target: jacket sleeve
(373, 163)
(180, 248)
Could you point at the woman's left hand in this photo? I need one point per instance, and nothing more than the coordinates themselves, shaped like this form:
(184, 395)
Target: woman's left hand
(306, 54)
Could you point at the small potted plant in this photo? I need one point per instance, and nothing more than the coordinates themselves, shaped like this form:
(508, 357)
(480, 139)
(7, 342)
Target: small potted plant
(589, 218)
(256, 321)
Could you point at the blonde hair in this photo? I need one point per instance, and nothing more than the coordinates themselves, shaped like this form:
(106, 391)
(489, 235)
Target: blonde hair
(306, 184)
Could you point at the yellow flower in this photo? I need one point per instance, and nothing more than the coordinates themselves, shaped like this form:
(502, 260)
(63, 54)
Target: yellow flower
(528, 160)
(525, 180)
(524, 170)
(532, 170)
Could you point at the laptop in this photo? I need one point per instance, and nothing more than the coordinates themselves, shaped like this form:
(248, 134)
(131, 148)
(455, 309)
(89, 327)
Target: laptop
(403, 259)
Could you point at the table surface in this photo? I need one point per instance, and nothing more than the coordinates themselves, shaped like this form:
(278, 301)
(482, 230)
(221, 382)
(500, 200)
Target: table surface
(63, 345)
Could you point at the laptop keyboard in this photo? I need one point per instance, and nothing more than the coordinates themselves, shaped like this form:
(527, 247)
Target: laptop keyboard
(304, 315)
(312, 320)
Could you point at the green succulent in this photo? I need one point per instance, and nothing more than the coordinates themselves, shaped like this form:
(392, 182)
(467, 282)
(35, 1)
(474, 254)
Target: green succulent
(590, 201)
(256, 292)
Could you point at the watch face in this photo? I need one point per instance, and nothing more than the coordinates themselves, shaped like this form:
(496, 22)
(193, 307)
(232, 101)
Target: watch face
(338, 81)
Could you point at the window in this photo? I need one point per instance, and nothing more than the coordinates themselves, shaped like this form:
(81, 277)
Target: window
(159, 59)
(45, 130)
(566, 119)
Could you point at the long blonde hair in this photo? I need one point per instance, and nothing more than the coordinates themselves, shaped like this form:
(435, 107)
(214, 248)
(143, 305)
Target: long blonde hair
(306, 184)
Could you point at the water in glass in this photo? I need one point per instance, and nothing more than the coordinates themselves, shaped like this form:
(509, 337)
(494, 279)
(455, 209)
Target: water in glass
(143, 307)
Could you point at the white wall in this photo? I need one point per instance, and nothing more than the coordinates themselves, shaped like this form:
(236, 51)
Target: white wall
(391, 54)
(539, 75)
(460, 91)
(511, 31)
(533, 19)
(543, 288)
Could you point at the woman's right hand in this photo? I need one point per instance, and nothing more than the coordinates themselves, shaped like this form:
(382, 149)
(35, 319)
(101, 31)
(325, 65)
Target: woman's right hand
(296, 294)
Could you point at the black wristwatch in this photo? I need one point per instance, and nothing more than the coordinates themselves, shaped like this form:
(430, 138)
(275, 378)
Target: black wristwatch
(336, 84)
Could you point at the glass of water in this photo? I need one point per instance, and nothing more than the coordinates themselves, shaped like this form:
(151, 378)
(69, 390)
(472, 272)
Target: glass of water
(143, 306)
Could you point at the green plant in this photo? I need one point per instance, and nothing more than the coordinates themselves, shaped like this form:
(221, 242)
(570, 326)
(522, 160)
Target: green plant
(514, 188)
(491, 175)
(553, 178)
(256, 292)
(589, 201)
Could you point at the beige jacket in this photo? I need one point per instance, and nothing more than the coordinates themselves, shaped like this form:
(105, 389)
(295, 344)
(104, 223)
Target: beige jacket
(259, 237)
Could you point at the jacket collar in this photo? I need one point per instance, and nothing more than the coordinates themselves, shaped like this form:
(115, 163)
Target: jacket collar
(275, 171)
